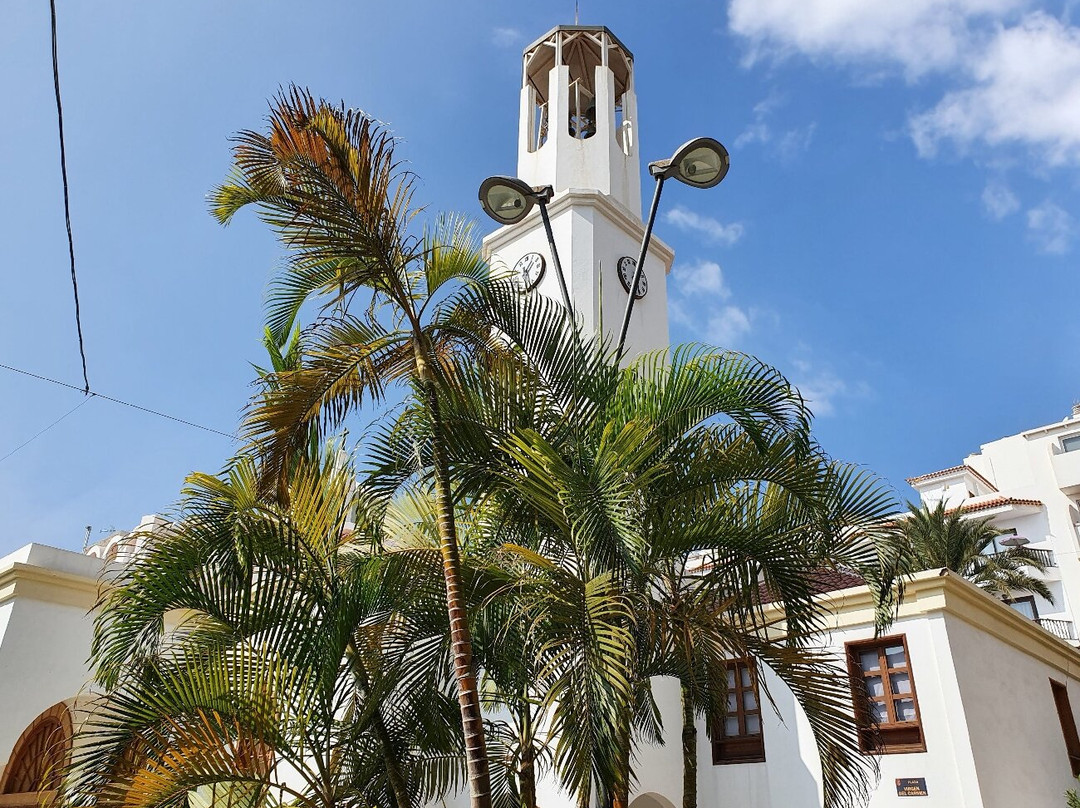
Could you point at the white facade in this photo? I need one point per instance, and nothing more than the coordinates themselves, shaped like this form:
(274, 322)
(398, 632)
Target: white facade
(592, 163)
(1028, 483)
(982, 674)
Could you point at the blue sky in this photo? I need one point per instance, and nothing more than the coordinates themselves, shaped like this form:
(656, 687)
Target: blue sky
(898, 232)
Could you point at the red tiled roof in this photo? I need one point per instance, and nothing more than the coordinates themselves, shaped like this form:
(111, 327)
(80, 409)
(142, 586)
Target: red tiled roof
(933, 474)
(997, 502)
(946, 472)
(823, 581)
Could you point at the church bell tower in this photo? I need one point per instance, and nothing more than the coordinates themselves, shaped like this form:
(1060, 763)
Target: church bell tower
(578, 132)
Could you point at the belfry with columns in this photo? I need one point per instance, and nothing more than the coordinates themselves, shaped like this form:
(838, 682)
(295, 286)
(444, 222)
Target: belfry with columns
(578, 132)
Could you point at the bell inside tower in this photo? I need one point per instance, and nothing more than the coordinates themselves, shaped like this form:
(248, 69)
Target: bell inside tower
(581, 49)
(578, 114)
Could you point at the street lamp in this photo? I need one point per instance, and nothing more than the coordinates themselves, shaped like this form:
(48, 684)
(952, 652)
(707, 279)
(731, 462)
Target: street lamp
(508, 200)
(700, 163)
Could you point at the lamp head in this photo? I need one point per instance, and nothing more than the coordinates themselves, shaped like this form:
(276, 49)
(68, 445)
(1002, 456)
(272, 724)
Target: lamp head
(701, 163)
(507, 200)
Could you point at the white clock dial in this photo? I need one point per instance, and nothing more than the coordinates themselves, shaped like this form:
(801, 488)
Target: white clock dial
(528, 271)
(627, 266)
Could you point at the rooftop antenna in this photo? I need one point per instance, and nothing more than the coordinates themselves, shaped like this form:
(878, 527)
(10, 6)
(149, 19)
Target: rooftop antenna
(576, 12)
(86, 538)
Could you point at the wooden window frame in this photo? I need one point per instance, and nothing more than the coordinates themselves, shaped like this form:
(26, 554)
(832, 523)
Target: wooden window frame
(40, 755)
(1068, 724)
(891, 737)
(744, 747)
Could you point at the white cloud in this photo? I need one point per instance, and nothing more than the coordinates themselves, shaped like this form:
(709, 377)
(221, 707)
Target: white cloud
(727, 326)
(505, 37)
(756, 132)
(704, 276)
(1026, 91)
(821, 388)
(713, 230)
(1051, 228)
(701, 302)
(794, 142)
(788, 144)
(917, 35)
(999, 201)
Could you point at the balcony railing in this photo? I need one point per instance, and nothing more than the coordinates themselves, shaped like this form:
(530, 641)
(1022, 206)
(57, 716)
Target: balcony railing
(1045, 557)
(1059, 628)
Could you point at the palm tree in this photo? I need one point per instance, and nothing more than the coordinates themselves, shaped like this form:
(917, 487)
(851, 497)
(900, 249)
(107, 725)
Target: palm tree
(325, 179)
(303, 670)
(936, 538)
(608, 481)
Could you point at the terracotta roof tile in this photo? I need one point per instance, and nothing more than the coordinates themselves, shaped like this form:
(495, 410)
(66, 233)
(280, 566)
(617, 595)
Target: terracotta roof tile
(997, 502)
(949, 471)
(933, 474)
(823, 581)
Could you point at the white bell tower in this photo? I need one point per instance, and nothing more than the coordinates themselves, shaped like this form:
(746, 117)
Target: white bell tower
(578, 132)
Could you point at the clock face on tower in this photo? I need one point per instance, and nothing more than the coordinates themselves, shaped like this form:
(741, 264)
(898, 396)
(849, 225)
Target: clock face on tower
(627, 266)
(528, 271)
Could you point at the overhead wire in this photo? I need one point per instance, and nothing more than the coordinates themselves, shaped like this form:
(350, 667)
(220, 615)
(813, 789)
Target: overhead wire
(93, 394)
(46, 429)
(67, 198)
(85, 389)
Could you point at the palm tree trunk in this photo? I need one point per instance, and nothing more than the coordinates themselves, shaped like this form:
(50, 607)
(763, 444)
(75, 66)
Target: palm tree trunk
(527, 764)
(398, 787)
(689, 750)
(621, 797)
(472, 723)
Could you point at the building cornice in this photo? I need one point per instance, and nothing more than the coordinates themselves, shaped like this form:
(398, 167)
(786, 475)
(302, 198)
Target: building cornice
(937, 593)
(21, 580)
(580, 198)
(1071, 422)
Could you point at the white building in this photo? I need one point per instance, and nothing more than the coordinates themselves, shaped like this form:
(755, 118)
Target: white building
(988, 700)
(1029, 484)
(973, 698)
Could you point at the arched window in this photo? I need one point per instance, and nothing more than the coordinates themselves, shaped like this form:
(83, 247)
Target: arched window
(112, 553)
(40, 754)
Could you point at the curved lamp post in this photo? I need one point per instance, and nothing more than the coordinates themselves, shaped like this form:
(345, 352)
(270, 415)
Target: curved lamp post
(508, 200)
(700, 163)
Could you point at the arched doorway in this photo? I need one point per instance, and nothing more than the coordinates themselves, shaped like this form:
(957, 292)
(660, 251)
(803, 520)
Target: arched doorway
(39, 757)
(651, 800)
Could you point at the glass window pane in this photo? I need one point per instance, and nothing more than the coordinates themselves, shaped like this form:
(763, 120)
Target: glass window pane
(1025, 607)
(878, 713)
(905, 709)
(868, 660)
(745, 671)
(894, 655)
(753, 724)
(731, 727)
(731, 706)
(900, 683)
(749, 700)
(730, 678)
(874, 687)
(1071, 444)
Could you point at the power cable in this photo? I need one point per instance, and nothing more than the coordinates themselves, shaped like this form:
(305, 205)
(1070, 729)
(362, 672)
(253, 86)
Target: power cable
(46, 429)
(139, 407)
(67, 197)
